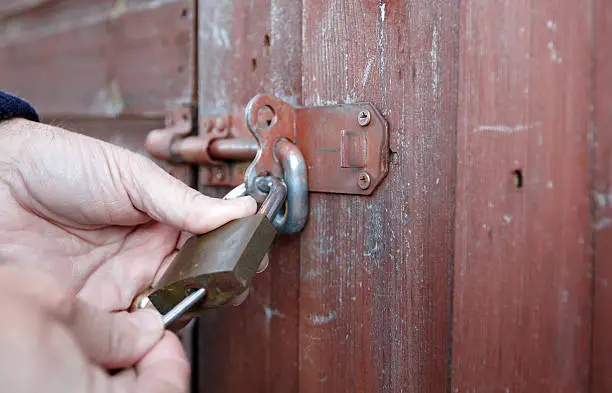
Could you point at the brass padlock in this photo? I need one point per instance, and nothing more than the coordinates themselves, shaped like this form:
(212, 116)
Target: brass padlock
(212, 269)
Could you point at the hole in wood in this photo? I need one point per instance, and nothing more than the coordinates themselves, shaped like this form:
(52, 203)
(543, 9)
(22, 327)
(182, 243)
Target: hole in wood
(518, 178)
(267, 40)
(184, 13)
(253, 64)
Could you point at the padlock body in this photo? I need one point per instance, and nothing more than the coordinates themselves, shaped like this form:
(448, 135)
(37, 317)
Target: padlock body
(223, 261)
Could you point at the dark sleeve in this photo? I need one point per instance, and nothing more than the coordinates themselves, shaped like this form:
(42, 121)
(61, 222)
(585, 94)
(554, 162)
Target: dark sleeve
(11, 106)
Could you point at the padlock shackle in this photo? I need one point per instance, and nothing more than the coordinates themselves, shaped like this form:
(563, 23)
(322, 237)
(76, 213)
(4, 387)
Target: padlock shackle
(295, 176)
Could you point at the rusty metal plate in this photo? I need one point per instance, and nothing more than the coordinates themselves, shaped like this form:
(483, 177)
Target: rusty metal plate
(346, 147)
(344, 153)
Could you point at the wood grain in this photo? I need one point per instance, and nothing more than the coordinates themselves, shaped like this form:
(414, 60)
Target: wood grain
(246, 48)
(12, 7)
(522, 293)
(130, 58)
(601, 225)
(375, 289)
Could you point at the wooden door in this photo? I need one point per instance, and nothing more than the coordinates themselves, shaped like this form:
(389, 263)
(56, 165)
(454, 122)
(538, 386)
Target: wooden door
(481, 263)
(361, 300)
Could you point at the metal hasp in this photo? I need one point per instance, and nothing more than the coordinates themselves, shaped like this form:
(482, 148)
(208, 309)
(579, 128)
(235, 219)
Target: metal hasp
(345, 146)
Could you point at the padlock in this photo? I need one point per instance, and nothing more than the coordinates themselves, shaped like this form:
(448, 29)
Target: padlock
(212, 269)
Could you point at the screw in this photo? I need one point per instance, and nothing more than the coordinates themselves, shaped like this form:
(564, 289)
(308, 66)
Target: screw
(364, 180)
(364, 118)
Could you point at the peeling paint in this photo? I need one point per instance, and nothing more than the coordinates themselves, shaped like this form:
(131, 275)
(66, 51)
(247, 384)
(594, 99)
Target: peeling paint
(118, 9)
(221, 36)
(434, 61)
(75, 24)
(506, 129)
(366, 72)
(273, 312)
(322, 319)
(311, 274)
(603, 199)
(603, 223)
(554, 56)
(381, 37)
(564, 296)
(109, 100)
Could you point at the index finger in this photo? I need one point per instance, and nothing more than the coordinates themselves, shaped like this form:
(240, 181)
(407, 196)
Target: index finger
(168, 200)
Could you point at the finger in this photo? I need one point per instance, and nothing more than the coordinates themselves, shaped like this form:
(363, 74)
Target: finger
(168, 200)
(110, 339)
(238, 300)
(115, 340)
(264, 263)
(114, 285)
(164, 369)
(41, 355)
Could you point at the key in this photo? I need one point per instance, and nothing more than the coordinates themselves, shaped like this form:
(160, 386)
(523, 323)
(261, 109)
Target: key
(212, 269)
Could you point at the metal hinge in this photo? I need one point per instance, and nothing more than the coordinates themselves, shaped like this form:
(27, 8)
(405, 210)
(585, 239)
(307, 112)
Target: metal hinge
(346, 146)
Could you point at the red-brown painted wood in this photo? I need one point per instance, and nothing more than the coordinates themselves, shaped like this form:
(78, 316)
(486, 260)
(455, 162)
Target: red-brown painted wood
(247, 48)
(474, 91)
(375, 289)
(522, 293)
(102, 59)
(600, 139)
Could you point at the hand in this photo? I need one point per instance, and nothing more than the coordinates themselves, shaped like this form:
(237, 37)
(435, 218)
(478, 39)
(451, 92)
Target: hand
(54, 342)
(102, 220)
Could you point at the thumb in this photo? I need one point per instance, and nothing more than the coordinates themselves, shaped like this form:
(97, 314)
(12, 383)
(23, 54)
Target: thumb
(115, 340)
(168, 200)
(112, 340)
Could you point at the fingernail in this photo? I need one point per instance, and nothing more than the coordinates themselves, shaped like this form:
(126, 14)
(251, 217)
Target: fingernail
(147, 320)
(247, 201)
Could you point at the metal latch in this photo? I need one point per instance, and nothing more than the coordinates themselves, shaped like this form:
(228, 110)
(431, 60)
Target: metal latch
(346, 146)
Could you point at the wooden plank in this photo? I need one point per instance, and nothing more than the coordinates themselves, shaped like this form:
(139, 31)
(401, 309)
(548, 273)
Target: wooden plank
(522, 293)
(127, 133)
(11, 7)
(128, 59)
(247, 48)
(601, 145)
(375, 290)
